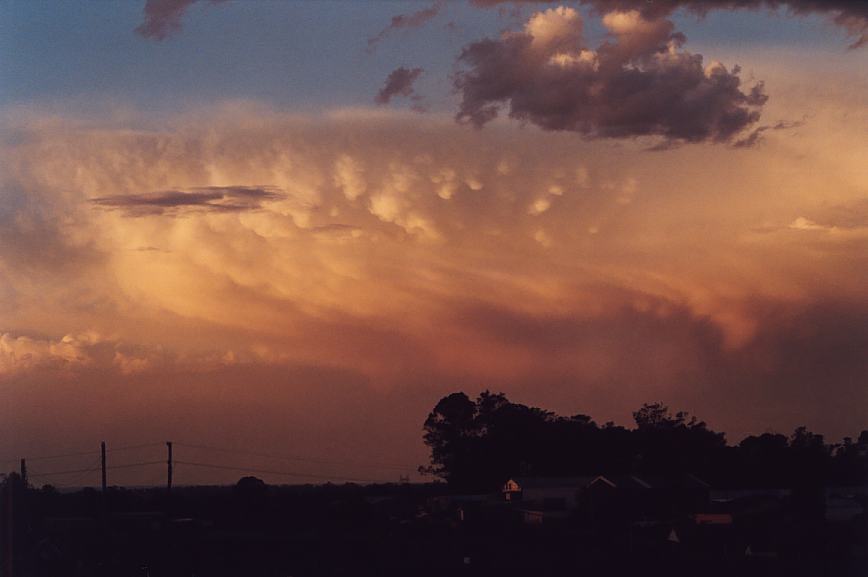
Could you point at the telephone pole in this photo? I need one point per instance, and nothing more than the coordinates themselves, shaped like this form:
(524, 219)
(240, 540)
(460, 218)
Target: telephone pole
(169, 468)
(102, 461)
(23, 472)
(8, 528)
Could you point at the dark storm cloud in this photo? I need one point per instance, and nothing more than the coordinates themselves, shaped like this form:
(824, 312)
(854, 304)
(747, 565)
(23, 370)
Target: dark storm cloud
(163, 17)
(400, 83)
(852, 15)
(756, 134)
(207, 199)
(406, 21)
(806, 364)
(624, 327)
(639, 83)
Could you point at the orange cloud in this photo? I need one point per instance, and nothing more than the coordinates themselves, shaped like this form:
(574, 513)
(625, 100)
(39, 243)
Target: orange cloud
(398, 257)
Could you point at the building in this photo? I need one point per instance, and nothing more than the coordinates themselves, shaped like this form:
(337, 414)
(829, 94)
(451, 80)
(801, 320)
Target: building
(546, 492)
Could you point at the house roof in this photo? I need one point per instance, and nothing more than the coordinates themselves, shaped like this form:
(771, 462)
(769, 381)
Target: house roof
(617, 481)
(622, 481)
(681, 481)
(552, 482)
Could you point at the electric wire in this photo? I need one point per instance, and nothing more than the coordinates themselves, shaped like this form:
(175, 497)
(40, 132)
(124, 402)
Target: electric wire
(83, 453)
(81, 472)
(368, 464)
(124, 466)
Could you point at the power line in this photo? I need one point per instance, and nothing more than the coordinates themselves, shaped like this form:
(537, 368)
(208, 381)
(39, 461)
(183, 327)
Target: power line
(140, 464)
(368, 464)
(94, 465)
(283, 473)
(93, 469)
(124, 466)
(83, 471)
(82, 453)
(131, 447)
(77, 454)
(79, 477)
(67, 472)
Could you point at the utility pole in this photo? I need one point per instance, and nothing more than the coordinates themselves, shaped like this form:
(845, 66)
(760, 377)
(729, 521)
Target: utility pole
(24, 472)
(169, 468)
(8, 528)
(102, 461)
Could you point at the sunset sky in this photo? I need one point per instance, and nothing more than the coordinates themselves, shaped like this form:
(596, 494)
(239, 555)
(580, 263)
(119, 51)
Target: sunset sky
(291, 227)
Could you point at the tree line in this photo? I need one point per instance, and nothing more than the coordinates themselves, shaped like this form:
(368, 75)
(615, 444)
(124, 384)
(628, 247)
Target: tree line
(477, 444)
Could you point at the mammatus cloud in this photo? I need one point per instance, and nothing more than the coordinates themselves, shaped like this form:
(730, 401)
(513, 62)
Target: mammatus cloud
(400, 83)
(641, 82)
(406, 21)
(209, 198)
(412, 256)
(852, 15)
(163, 17)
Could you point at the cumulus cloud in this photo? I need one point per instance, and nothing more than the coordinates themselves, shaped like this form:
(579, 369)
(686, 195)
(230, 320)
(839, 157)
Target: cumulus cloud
(349, 176)
(802, 223)
(163, 17)
(400, 83)
(210, 198)
(19, 352)
(852, 15)
(406, 21)
(640, 82)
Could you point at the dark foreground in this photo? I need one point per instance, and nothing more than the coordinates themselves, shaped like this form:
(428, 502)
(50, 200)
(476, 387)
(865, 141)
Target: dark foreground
(254, 530)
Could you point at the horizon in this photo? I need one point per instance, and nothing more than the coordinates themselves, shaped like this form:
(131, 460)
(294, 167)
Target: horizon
(293, 227)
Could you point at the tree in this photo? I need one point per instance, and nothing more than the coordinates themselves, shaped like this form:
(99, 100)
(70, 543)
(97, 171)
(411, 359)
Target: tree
(677, 443)
(450, 432)
(767, 457)
(477, 445)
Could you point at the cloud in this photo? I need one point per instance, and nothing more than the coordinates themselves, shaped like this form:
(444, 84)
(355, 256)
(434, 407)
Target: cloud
(400, 83)
(175, 202)
(349, 176)
(756, 134)
(852, 15)
(163, 17)
(19, 352)
(639, 83)
(401, 261)
(406, 21)
(802, 223)
(851, 215)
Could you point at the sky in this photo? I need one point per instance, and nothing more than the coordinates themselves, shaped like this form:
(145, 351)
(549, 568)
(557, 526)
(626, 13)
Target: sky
(284, 230)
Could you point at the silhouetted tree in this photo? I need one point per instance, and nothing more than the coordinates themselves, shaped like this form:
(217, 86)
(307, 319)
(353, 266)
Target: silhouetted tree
(451, 433)
(849, 464)
(476, 445)
(676, 443)
(767, 456)
(250, 486)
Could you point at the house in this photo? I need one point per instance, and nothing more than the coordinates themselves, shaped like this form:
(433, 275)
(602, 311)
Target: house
(553, 493)
(607, 499)
(674, 495)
